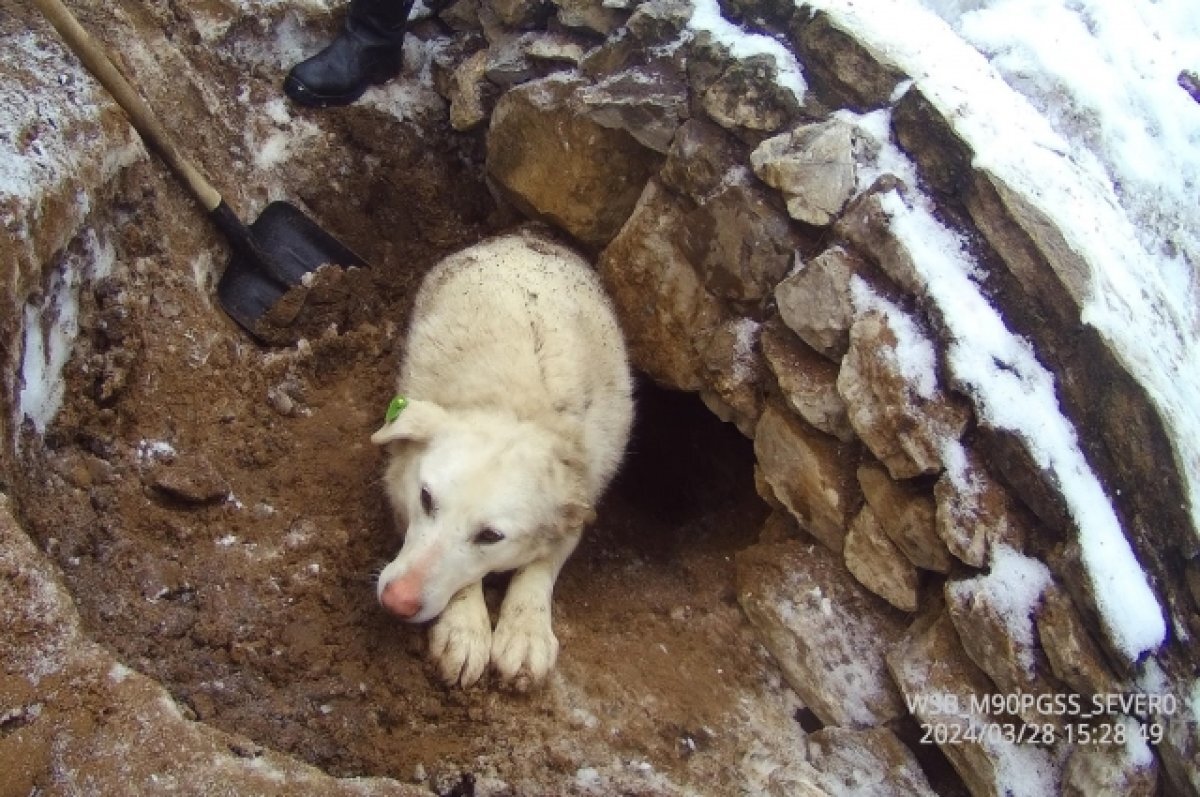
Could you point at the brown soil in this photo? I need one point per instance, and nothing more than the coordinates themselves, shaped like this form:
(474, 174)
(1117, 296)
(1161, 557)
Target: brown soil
(215, 511)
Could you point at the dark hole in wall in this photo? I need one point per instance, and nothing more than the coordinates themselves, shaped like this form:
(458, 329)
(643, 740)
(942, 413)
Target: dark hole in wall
(684, 468)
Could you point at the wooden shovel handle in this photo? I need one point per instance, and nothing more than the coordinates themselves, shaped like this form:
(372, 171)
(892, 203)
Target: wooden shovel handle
(93, 56)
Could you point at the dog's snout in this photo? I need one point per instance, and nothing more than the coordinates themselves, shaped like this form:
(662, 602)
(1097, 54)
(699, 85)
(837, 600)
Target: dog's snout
(401, 600)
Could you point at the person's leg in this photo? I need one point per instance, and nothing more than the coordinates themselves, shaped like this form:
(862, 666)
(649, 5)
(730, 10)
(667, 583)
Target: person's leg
(366, 52)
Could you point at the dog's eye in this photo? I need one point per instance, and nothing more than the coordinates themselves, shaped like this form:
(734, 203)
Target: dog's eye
(488, 536)
(427, 500)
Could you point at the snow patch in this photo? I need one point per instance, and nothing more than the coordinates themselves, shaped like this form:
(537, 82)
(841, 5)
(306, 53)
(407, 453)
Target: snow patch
(50, 325)
(276, 146)
(154, 450)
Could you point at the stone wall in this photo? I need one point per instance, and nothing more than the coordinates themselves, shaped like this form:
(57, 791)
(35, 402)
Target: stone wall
(919, 557)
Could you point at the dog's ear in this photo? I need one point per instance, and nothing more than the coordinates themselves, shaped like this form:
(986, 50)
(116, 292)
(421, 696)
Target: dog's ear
(417, 422)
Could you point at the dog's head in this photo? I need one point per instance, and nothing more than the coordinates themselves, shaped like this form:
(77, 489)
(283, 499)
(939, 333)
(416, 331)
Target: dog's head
(478, 492)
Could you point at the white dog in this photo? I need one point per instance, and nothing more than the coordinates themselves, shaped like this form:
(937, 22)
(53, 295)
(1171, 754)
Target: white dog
(516, 408)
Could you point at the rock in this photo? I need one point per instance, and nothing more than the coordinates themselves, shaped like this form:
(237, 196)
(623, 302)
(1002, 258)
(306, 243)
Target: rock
(813, 166)
(1180, 745)
(190, 479)
(1073, 656)
(828, 633)
(923, 130)
(888, 381)
(592, 15)
(648, 103)
(867, 226)
(740, 239)
(552, 161)
(1112, 769)
(774, 778)
(1189, 81)
(557, 49)
(841, 70)
(973, 512)
(994, 616)
(1040, 283)
(519, 13)
(878, 564)
(508, 62)
(816, 302)
(1192, 577)
(1026, 241)
(658, 21)
(462, 16)
(940, 683)
(809, 473)
(665, 310)
(908, 516)
(868, 763)
(470, 93)
(748, 96)
(734, 372)
(281, 401)
(807, 381)
(767, 494)
(793, 780)
(113, 371)
(700, 157)
(769, 14)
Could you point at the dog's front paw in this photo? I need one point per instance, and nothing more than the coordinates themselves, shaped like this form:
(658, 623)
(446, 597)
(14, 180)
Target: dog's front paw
(460, 642)
(524, 648)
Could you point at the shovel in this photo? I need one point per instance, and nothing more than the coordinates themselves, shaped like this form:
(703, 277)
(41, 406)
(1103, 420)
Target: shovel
(271, 255)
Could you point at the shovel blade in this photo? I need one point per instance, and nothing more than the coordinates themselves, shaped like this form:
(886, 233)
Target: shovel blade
(292, 245)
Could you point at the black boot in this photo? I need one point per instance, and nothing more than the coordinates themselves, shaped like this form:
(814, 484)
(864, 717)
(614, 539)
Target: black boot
(365, 53)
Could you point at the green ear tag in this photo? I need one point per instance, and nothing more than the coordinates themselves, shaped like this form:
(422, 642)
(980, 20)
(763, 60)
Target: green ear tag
(394, 409)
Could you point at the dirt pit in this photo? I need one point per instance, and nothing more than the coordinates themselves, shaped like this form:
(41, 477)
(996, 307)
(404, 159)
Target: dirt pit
(214, 508)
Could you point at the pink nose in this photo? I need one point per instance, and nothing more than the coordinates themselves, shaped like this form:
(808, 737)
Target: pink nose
(401, 600)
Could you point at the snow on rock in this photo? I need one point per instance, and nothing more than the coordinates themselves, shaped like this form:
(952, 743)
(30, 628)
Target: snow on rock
(706, 17)
(1142, 302)
(973, 509)
(833, 658)
(1011, 390)
(1011, 590)
(1123, 768)
(1106, 78)
(947, 694)
(994, 616)
(889, 381)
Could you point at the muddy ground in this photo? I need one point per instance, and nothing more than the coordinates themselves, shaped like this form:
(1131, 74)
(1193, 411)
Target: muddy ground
(214, 507)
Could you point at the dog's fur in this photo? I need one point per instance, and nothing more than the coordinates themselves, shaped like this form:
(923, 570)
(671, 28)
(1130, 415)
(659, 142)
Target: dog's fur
(519, 411)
